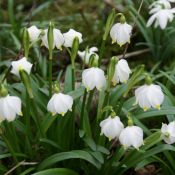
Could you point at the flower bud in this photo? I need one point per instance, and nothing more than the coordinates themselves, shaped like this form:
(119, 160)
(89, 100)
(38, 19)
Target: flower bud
(50, 38)
(74, 50)
(93, 61)
(109, 23)
(56, 87)
(26, 81)
(122, 18)
(148, 80)
(3, 91)
(111, 67)
(86, 54)
(130, 121)
(26, 42)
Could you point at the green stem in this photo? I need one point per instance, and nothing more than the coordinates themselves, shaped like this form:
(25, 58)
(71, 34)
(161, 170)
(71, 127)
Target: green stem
(102, 49)
(10, 148)
(101, 140)
(90, 100)
(106, 100)
(11, 133)
(120, 105)
(27, 122)
(14, 134)
(50, 77)
(73, 76)
(82, 109)
(37, 119)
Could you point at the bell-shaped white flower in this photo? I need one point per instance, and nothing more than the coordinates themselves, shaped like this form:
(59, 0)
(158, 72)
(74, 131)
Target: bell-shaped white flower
(21, 64)
(10, 106)
(131, 136)
(93, 77)
(148, 96)
(60, 104)
(58, 39)
(122, 72)
(34, 33)
(70, 36)
(161, 18)
(168, 132)
(121, 33)
(111, 127)
(86, 54)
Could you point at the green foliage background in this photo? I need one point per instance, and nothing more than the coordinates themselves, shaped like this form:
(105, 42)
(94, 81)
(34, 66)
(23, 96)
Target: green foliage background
(64, 149)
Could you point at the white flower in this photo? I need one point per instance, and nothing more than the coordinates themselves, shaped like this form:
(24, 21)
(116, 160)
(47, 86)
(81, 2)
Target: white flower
(60, 104)
(158, 5)
(93, 77)
(58, 39)
(131, 136)
(86, 54)
(168, 132)
(10, 106)
(34, 33)
(111, 127)
(149, 96)
(121, 33)
(122, 72)
(21, 64)
(70, 36)
(161, 18)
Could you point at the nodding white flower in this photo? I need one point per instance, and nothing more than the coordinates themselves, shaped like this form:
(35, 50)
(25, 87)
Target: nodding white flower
(58, 39)
(122, 72)
(86, 54)
(161, 18)
(131, 136)
(158, 5)
(111, 127)
(168, 132)
(121, 33)
(34, 33)
(10, 106)
(93, 77)
(70, 36)
(60, 104)
(21, 64)
(148, 96)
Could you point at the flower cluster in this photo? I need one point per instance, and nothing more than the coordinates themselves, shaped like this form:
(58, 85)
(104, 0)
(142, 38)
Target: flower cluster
(113, 128)
(59, 39)
(161, 12)
(147, 96)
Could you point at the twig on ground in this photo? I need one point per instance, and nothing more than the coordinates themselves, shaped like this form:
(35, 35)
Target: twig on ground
(22, 163)
(130, 54)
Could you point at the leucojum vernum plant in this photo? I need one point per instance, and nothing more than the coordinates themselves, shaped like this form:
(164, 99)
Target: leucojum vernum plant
(91, 126)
